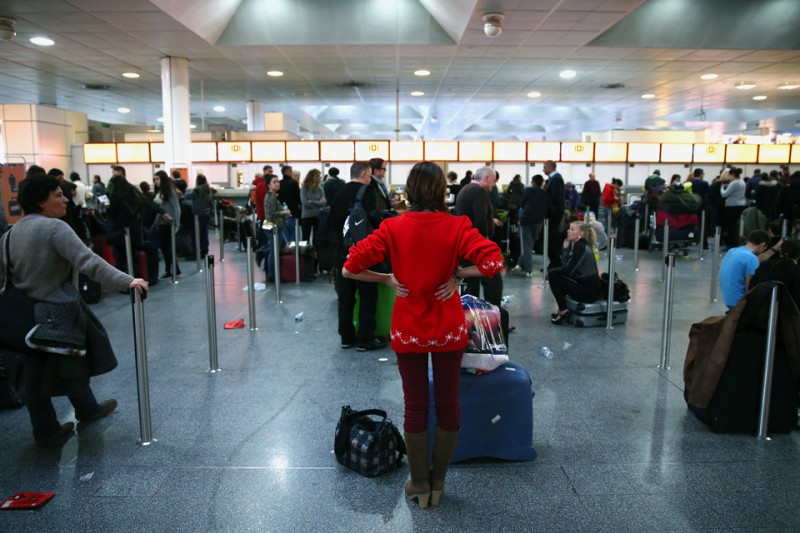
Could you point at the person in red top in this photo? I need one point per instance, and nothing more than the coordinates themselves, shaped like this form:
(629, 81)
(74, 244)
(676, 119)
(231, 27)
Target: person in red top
(425, 245)
(610, 204)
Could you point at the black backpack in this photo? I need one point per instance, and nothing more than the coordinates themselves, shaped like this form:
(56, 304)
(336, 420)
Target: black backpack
(357, 224)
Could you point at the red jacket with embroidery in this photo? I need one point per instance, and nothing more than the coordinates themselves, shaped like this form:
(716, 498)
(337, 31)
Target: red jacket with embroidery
(424, 249)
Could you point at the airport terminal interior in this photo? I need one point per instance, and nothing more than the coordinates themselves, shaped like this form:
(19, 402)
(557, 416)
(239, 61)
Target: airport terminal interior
(251, 448)
(620, 88)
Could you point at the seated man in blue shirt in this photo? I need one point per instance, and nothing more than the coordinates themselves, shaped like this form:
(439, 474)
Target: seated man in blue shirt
(739, 265)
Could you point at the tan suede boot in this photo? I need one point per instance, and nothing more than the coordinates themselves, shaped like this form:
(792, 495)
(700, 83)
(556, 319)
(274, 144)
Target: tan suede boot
(418, 487)
(444, 446)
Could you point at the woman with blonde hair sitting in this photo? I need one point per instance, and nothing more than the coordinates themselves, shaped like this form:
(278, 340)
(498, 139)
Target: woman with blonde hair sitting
(578, 277)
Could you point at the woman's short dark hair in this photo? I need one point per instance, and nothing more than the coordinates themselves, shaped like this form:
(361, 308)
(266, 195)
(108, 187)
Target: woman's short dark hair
(269, 177)
(426, 187)
(34, 190)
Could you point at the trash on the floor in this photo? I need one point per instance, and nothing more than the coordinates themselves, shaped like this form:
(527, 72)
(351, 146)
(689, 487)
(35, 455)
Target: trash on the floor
(26, 500)
(87, 477)
(507, 298)
(547, 352)
(299, 317)
(235, 324)
(257, 286)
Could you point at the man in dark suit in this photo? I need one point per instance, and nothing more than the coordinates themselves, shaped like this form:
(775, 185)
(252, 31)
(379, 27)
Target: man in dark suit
(555, 212)
(474, 202)
(290, 195)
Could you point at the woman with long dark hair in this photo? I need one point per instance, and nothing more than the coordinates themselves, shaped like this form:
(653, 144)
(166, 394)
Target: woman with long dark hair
(425, 246)
(201, 206)
(168, 198)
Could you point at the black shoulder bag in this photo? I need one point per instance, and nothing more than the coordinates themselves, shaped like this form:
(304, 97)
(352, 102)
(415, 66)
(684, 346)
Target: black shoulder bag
(16, 311)
(368, 442)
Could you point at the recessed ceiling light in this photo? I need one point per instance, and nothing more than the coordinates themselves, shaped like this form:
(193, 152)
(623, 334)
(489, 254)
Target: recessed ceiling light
(274, 73)
(744, 85)
(193, 126)
(160, 119)
(760, 97)
(123, 110)
(648, 96)
(219, 108)
(534, 94)
(131, 75)
(709, 76)
(788, 86)
(42, 41)
(422, 72)
(417, 93)
(567, 74)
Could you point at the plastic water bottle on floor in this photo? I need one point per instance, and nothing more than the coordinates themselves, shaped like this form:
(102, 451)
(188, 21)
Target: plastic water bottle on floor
(299, 317)
(546, 352)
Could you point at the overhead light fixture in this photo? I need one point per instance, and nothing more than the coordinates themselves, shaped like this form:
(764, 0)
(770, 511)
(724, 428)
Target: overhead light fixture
(744, 85)
(131, 75)
(417, 93)
(493, 24)
(567, 74)
(219, 108)
(160, 119)
(193, 126)
(7, 28)
(760, 97)
(709, 76)
(123, 110)
(42, 41)
(534, 94)
(648, 96)
(422, 72)
(274, 73)
(788, 86)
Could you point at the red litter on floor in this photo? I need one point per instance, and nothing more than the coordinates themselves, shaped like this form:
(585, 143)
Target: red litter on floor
(235, 324)
(26, 500)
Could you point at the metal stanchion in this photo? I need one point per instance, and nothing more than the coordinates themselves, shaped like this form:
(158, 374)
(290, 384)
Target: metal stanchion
(702, 240)
(545, 246)
(667, 325)
(508, 234)
(785, 228)
(608, 220)
(197, 243)
(296, 252)
(636, 230)
(741, 230)
(715, 263)
(142, 380)
(276, 272)
(174, 249)
(251, 290)
(769, 364)
(612, 247)
(211, 305)
(222, 242)
(665, 251)
(646, 214)
(239, 232)
(129, 252)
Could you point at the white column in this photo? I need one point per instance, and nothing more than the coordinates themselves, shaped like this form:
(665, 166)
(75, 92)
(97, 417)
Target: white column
(175, 98)
(255, 116)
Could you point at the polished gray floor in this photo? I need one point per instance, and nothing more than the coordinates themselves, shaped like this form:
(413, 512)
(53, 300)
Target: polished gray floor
(250, 448)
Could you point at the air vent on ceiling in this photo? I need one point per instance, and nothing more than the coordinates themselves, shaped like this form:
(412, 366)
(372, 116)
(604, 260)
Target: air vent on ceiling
(354, 84)
(613, 85)
(97, 87)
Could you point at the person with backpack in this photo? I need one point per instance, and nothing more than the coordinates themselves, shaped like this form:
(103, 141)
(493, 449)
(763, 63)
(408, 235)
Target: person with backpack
(202, 201)
(425, 245)
(346, 289)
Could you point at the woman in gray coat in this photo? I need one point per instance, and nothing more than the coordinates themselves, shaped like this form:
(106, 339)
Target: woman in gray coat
(312, 199)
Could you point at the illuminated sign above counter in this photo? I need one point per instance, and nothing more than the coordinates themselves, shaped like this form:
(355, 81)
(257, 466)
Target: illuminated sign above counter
(466, 151)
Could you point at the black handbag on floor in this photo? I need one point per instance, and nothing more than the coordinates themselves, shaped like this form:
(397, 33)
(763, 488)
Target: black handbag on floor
(16, 311)
(368, 442)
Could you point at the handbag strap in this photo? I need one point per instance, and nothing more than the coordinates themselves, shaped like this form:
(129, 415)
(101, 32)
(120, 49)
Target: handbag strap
(368, 412)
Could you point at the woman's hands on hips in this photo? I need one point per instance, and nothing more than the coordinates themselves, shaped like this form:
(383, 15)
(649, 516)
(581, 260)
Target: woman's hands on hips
(400, 289)
(140, 285)
(446, 290)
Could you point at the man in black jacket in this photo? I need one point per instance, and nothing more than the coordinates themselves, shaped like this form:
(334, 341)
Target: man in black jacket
(555, 190)
(474, 202)
(290, 195)
(346, 289)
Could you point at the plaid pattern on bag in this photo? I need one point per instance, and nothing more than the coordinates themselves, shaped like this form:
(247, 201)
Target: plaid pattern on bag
(368, 442)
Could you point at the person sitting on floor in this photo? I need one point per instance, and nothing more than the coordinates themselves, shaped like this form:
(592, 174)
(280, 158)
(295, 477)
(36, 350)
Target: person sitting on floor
(578, 278)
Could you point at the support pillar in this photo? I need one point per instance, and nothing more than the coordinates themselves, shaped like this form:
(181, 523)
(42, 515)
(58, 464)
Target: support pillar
(255, 116)
(177, 119)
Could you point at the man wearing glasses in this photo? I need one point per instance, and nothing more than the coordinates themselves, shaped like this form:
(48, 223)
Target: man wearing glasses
(378, 169)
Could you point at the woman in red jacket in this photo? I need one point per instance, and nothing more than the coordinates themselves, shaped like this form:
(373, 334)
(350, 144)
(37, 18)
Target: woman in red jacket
(425, 245)
(610, 204)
